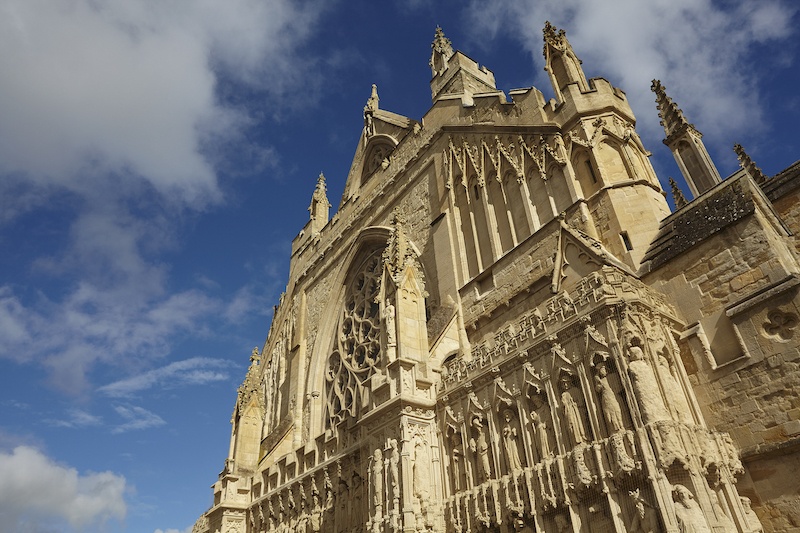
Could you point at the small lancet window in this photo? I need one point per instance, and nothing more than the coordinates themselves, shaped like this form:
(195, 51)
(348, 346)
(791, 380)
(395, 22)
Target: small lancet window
(626, 240)
(591, 171)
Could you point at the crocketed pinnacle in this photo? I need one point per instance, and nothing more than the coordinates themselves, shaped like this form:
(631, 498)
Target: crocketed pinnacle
(671, 115)
(677, 194)
(554, 37)
(748, 165)
(321, 191)
(372, 101)
(441, 52)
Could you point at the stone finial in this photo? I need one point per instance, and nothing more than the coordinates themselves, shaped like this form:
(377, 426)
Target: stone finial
(320, 205)
(677, 195)
(560, 61)
(686, 144)
(369, 110)
(441, 52)
(321, 190)
(671, 115)
(372, 101)
(748, 165)
(554, 37)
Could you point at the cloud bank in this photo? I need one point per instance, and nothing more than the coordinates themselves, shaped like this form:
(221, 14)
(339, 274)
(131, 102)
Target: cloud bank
(698, 48)
(126, 90)
(194, 371)
(36, 492)
(115, 122)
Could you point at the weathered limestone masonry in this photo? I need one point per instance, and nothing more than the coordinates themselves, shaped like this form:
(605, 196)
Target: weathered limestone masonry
(504, 328)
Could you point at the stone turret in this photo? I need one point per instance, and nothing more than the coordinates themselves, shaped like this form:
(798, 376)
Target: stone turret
(686, 144)
(441, 52)
(320, 206)
(561, 63)
(749, 165)
(456, 75)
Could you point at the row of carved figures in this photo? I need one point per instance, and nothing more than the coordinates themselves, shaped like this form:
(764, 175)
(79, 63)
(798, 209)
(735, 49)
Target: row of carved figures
(631, 507)
(554, 416)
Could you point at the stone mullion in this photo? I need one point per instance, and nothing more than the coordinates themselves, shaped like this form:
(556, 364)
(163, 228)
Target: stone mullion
(489, 214)
(474, 232)
(474, 228)
(514, 237)
(570, 177)
(530, 209)
(455, 211)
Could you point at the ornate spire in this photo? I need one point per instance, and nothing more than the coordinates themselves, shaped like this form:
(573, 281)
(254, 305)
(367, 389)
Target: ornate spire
(319, 205)
(441, 52)
(372, 101)
(560, 61)
(668, 111)
(677, 195)
(369, 110)
(398, 254)
(554, 37)
(748, 165)
(686, 144)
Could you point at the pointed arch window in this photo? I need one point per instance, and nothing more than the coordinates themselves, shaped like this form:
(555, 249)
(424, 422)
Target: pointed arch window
(356, 352)
(377, 155)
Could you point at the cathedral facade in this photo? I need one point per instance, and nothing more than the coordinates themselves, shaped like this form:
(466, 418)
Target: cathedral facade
(505, 328)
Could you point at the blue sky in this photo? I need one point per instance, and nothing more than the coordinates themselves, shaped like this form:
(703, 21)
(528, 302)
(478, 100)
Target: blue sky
(158, 156)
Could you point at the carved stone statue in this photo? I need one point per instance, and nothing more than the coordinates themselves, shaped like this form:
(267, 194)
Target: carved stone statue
(562, 523)
(723, 520)
(644, 518)
(541, 438)
(394, 469)
(676, 398)
(538, 320)
(421, 472)
(753, 523)
(612, 413)
(510, 441)
(377, 480)
(479, 445)
(687, 511)
(573, 421)
(389, 323)
(457, 455)
(645, 387)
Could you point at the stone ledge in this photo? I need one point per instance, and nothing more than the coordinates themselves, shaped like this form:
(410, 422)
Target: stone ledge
(765, 451)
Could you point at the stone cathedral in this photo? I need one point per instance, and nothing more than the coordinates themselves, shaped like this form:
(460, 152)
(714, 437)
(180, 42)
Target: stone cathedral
(505, 328)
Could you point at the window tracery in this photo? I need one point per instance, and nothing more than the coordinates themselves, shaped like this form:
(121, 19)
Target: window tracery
(356, 352)
(377, 156)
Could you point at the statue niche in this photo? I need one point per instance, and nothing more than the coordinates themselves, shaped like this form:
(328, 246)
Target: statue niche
(540, 420)
(479, 445)
(457, 466)
(572, 410)
(606, 384)
(644, 384)
(510, 433)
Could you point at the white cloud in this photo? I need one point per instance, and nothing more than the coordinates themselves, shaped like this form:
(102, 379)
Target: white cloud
(194, 371)
(125, 89)
(98, 324)
(38, 493)
(115, 111)
(187, 530)
(136, 418)
(78, 418)
(698, 49)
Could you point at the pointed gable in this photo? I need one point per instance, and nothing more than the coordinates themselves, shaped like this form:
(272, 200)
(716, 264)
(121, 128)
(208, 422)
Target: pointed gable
(577, 256)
